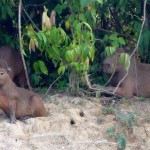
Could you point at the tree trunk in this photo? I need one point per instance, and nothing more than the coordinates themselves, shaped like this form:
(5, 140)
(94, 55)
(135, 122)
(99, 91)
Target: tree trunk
(73, 83)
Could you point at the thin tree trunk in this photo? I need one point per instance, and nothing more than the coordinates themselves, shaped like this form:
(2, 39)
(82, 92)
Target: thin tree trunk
(21, 46)
(73, 83)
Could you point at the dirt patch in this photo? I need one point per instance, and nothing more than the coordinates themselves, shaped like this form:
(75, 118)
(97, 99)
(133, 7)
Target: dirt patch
(74, 123)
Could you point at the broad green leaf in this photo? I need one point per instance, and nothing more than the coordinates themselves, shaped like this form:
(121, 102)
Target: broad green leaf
(9, 11)
(56, 50)
(70, 55)
(113, 37)
(115, 43)
(84, 2)
(39, 36)
(110, 50)
(78, 28)
(59, 8)
(61, 70)
(82, 17)
(36, 66)
(44, 38)
(121, 41)
(42, 67)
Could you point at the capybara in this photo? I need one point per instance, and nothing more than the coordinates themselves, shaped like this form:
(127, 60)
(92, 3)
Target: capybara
(11, 57)
(17, 102)
(137, 82)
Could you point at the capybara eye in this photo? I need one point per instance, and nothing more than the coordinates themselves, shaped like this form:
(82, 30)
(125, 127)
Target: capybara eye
(107, 65)
(1, 73)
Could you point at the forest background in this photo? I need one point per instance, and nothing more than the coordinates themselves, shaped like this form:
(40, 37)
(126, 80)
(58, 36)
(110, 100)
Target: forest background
(71, 37)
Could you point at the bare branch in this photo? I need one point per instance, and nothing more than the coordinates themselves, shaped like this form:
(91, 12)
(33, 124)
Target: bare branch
(30, 19)
(101, 90)
(20, 41)
(47, 92)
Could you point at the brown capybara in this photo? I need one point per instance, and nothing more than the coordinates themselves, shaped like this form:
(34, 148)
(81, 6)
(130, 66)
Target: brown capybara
(17, 102)
(10, 57)
(137, 82)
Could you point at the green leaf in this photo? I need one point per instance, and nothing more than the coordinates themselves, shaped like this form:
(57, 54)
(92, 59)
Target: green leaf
(61, 70)
(85, 23)
(39, 35)
(43, 37)
(100, 1)
(43, 67)
(59, 8)
(110, 50)
(82, 17)
(36, 66)
(115, 43)
(56, 50)
(93, 13)
(121, 41)
(121, 58)
(78, 28)
(127, 61)
(124, 58)
(84, 2)
(113, 37)
(9, 11)
(92, 52)
(70, 55)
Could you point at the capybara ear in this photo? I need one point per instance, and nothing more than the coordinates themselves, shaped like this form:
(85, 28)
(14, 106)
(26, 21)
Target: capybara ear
(8, 70)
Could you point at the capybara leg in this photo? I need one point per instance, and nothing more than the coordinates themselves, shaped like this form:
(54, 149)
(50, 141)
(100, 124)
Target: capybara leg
(12, 116)
(12, 109)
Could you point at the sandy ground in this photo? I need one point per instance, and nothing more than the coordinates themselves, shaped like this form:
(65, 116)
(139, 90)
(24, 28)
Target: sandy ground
(74, 123)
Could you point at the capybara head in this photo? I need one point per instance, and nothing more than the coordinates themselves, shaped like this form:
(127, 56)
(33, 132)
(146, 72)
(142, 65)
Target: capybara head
(4, 77)
(111, 64)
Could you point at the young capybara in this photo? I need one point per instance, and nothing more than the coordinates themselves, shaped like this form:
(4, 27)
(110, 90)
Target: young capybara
(18, 102)
(10, 57)
(137, 82)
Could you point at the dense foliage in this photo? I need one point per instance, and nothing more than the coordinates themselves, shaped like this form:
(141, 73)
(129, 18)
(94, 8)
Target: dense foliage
(75, 43)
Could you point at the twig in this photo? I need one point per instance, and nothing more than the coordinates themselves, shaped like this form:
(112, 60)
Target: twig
(96, 89)
(20, 42)
(35, 5)
(47, 92)
(108, 31)
(30, 19)
(137, 45)
(128, 13)
(111, 75)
